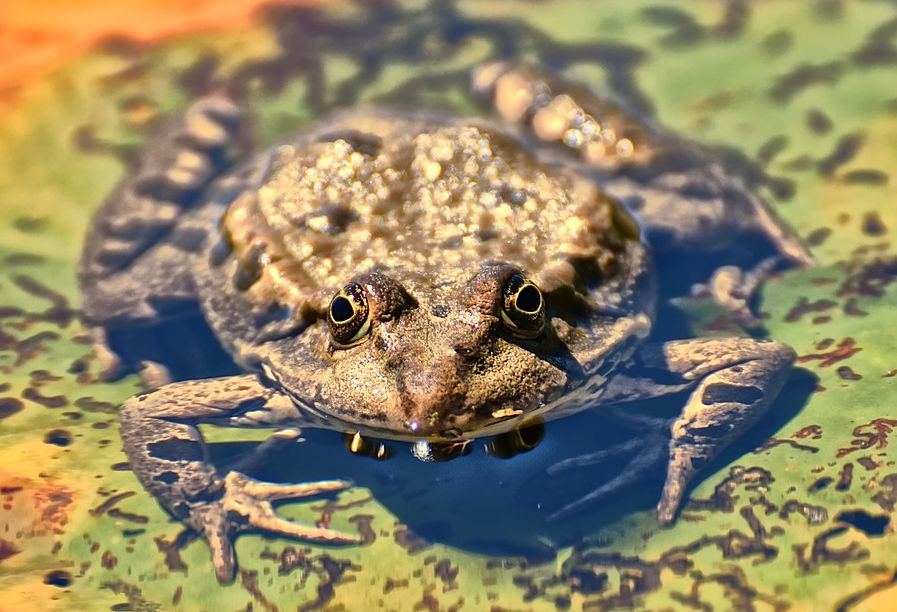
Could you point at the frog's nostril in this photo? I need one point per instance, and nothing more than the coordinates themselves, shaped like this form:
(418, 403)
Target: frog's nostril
(464, 350)
(441, 311)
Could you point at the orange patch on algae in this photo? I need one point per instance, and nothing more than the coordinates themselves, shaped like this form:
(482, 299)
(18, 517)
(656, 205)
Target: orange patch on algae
(39, 35)
(33, 508)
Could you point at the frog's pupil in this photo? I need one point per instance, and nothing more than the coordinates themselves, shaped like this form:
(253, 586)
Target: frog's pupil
(531, 435)
(341, 309)
(529, 299)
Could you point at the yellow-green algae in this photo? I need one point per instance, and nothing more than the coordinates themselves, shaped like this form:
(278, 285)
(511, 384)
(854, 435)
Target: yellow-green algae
(785, 84)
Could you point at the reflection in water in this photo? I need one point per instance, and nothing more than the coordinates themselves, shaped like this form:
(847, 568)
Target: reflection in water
(491, 500)
(477, 502)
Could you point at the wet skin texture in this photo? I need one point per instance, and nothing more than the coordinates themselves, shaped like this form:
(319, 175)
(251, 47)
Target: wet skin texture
(417, 276)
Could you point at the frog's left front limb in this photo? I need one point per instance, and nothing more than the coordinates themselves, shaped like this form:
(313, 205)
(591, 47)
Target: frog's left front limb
(168, 455)
(731, 382)
(735, 382)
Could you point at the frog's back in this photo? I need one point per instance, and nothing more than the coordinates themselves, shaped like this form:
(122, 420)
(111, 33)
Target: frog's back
(426, 199)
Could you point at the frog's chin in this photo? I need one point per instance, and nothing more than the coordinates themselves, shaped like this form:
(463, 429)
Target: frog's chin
(508, 421)
(502, 419)
(501, 422)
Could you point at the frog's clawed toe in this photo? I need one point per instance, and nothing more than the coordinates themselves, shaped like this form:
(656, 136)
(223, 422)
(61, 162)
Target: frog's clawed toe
(246, 506)
(111, 365)
(154, 375)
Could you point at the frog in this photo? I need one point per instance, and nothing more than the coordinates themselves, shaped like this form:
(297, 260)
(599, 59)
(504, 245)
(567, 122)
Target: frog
(418, 276)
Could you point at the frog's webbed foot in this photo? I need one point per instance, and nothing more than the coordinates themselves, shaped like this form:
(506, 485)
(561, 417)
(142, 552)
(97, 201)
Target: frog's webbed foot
(168, 455)
(246, 505)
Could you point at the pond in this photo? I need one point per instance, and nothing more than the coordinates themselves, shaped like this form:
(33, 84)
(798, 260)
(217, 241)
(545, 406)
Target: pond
(798, 514)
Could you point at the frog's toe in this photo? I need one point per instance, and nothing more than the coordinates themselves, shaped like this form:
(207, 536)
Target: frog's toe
(593, 498)
(262, 516)
(596, 458)
(734, 289)
(272, 491)
(251, 499)
(154, 375)
(670, 500)
(217, 535)
(111, 364)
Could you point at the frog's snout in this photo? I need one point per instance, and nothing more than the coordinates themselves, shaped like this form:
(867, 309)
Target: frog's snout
(430, 395)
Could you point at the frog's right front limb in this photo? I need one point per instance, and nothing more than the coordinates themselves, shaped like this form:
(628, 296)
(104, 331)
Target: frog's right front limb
(168, 455)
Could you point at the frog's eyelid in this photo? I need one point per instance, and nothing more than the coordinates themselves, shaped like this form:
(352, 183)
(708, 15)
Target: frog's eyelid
(362, 331)
(507, 320)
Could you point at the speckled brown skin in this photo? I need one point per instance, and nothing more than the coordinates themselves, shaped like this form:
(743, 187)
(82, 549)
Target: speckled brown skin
(430, 219)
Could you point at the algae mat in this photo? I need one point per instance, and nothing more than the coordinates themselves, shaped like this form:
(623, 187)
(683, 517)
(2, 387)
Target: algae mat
(796, 95)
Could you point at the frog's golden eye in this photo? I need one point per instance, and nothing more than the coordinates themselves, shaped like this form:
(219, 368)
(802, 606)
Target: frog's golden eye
(522, 307)
(348, 315)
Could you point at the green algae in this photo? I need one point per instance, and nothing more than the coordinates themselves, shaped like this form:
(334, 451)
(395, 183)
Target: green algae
(791, 518)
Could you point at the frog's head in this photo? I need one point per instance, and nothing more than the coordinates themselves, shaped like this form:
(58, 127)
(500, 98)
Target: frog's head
(471, 353)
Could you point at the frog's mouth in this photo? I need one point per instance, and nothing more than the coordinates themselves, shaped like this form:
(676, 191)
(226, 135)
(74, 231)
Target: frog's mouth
(500, 421)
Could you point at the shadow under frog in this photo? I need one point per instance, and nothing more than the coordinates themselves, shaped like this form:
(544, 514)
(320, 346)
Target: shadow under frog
(512, 506)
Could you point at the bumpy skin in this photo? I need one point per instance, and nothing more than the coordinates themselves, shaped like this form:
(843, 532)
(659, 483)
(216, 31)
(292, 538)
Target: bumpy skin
(434, 222)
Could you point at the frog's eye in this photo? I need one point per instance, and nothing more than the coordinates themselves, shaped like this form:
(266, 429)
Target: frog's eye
(522, 307)
(348, 315)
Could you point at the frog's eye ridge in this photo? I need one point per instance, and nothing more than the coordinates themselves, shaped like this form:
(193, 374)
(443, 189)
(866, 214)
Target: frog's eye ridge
(348, 315)
(522, 307)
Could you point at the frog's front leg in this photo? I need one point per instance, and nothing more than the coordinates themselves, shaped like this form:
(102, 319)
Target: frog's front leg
(168, 455)
(736, 381)
(731, 383)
